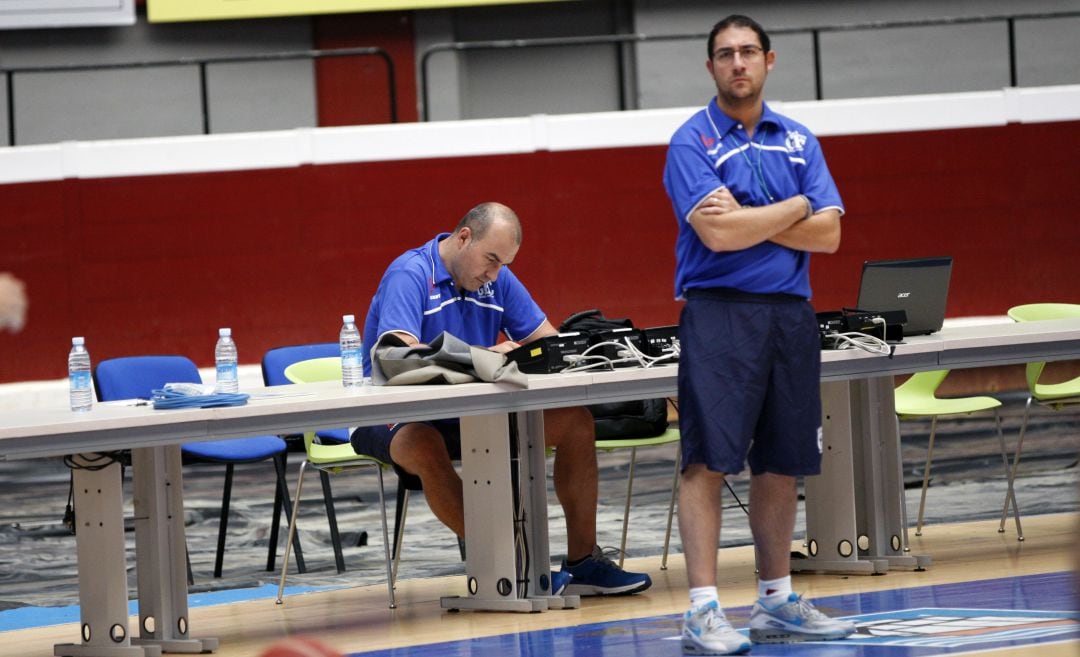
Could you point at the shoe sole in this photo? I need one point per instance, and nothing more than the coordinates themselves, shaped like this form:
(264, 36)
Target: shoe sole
(691, 648)
(587, 590)
(791, 636)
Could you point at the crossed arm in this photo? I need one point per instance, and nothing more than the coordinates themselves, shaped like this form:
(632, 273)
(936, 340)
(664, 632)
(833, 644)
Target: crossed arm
(724, 225)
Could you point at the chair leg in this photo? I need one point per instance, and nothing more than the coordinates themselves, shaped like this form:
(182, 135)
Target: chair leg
(275, 520)
(331, 517)
(903, 499)
(926, 475)
(223, 524)
(292, 530)
(399, 528)
(1010, 494)
(671, 505)
(386, 543)
(281, 497)
(626, 506)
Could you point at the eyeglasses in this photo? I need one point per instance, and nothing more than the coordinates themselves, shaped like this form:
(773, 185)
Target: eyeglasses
(746, 53)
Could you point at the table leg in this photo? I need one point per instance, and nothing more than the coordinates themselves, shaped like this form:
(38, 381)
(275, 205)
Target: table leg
(160, 550)
(490, 555)
(99, 541)
(831, 517)
(880, 478)
(532, 458)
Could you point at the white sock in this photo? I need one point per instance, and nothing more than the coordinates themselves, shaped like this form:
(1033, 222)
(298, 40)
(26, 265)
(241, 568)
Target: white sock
(774, 591)
(703, 595)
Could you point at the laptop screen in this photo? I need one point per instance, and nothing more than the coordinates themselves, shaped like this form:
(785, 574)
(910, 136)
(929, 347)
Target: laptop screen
(917, 286)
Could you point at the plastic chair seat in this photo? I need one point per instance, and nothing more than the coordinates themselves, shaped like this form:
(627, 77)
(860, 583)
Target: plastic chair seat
(334, 459)
(672, 435)
(1054, 396)
(917, 397)
(137, 376)
(943, 406)
(236, 450)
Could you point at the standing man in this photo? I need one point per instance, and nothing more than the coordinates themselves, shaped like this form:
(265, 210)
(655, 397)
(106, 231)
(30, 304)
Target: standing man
(460, 283)
(753, 198)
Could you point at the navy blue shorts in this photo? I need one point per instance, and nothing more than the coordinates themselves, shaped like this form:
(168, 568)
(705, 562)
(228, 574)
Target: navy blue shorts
(749, 383)
(375, 440)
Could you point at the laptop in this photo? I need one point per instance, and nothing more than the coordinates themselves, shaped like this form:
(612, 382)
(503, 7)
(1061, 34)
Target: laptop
(917, 286)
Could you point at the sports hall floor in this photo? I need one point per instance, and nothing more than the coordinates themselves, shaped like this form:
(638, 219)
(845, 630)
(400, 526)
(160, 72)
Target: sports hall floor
(985, 593)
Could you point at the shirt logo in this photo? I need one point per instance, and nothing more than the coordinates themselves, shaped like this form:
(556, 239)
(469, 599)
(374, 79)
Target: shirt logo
(707, 141)
(794, 141)
(485, 291)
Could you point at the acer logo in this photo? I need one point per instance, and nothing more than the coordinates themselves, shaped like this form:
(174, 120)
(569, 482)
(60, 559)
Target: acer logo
(903, 295)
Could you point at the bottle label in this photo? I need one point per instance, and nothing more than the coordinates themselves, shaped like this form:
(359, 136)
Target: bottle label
(350, 358)
(80, 380)
(226, 372)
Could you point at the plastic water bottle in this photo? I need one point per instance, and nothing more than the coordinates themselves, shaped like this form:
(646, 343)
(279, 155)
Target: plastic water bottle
(352, 368)
(79, 376)
(225, 360)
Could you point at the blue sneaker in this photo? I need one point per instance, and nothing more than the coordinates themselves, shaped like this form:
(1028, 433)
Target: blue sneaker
(559, 580)
(598, 575)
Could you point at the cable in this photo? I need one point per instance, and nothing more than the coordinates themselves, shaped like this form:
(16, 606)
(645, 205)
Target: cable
(855, 340)
(171, 397)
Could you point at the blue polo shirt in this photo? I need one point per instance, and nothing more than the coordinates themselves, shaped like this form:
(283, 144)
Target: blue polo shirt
(711, 151)
(417, 296)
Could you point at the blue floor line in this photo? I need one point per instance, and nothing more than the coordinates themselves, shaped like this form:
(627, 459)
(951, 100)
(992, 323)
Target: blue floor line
(23, 618)
(914, 622)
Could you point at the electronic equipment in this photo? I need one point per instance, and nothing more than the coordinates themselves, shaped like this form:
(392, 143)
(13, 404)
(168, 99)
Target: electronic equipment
(611, 351)
(661, 341)
(548, 354)
(861, 321)
(918, 286)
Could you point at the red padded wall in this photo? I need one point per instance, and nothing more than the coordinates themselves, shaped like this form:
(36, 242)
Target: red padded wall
(156, 264)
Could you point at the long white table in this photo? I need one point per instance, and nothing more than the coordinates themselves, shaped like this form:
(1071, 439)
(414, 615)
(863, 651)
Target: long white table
(856, 504)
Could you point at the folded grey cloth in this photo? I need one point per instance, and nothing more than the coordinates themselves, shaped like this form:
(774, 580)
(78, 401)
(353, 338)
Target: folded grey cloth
(447, 359)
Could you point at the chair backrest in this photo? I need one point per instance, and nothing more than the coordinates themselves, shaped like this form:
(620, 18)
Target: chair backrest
(1037, 312)
(920, 387)
(276, 360)
(134, 377)
(315, 370)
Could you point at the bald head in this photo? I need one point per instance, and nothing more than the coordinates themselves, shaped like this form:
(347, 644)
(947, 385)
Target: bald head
(487, 215)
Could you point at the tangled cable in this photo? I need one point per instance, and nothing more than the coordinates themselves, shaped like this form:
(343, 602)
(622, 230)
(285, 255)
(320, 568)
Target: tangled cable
(181, 395)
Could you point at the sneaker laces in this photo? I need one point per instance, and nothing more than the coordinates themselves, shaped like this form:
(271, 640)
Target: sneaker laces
(599, 555)
(715, 620)
(809, 610)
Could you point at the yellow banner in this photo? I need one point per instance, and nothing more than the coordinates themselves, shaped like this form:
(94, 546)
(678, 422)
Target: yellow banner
(159, 11)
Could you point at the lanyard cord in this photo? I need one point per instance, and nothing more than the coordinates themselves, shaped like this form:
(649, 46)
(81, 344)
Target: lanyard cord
(759, 172)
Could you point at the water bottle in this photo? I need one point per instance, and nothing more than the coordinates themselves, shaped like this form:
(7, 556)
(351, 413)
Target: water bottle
(352, 368)
(79, 376)
(225, 360)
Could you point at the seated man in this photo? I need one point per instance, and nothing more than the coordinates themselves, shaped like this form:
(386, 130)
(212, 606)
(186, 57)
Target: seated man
(453, 284)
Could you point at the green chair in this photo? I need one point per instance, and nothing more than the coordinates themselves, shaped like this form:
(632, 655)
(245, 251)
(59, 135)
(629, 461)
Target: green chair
(916, 398)
(1054, 396)
(332, 459)
(612, 444)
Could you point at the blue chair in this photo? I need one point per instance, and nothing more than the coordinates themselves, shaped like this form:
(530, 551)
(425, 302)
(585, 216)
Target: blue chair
(137, 376)
(274, 363)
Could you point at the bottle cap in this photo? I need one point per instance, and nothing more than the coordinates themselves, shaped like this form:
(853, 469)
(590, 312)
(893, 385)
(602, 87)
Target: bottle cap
(348, 319)
(224, 332)
(78, 341)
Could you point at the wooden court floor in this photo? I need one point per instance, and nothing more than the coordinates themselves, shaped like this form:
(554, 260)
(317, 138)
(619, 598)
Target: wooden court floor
(356, 620)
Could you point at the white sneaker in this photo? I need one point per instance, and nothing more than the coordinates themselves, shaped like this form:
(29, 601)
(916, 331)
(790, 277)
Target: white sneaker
(793, 621)
(706, 631)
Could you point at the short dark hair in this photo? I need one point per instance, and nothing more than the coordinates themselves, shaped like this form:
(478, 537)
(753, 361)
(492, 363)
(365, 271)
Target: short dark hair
(738, 20)
(480, 218)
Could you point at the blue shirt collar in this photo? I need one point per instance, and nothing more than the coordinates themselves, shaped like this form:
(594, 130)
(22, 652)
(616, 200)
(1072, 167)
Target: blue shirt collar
(439, 273)
(725, 124)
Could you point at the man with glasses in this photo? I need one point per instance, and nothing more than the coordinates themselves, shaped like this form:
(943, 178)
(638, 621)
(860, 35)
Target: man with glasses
(753, 198)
